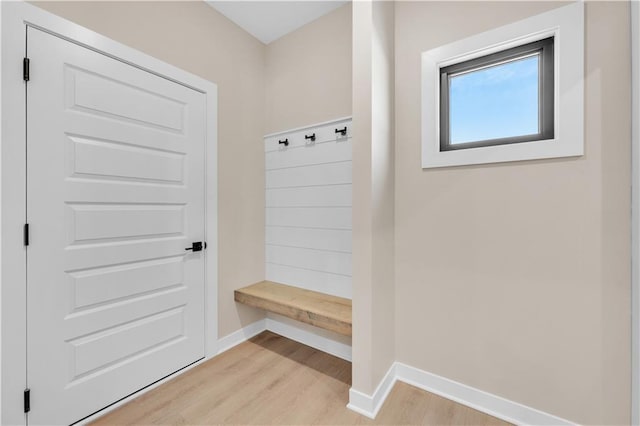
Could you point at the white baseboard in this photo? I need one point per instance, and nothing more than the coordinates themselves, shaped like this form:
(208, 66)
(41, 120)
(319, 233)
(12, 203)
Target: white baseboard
(369, 405)
(323, 340)
(477, 399)
(239, 336)
(486, 402)
(317, 338)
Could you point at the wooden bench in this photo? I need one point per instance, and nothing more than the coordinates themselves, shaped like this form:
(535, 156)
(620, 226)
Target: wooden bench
(318, 309)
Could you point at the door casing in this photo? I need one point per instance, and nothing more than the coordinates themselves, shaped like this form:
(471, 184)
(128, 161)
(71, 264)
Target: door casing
(14, 19)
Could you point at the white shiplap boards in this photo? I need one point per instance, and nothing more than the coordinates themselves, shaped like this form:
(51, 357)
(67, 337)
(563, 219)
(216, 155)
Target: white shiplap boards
(308, 208)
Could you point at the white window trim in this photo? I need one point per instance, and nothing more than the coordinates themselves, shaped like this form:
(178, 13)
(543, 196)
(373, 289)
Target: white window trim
(566, 24)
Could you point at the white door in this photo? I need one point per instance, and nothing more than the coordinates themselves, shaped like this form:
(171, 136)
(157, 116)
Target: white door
(115, 194)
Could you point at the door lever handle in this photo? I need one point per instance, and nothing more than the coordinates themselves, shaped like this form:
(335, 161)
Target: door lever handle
(197, 246)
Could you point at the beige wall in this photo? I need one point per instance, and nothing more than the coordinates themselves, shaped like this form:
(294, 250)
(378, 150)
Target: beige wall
(308, 73)
(515, 278)
(196, 38)
(373, 194)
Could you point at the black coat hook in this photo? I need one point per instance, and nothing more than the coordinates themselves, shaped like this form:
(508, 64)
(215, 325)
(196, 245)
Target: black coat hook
(312, 137)
(343, 132)
(285, 142)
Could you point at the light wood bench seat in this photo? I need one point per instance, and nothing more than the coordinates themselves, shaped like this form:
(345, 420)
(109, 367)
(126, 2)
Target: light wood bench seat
(319, 309)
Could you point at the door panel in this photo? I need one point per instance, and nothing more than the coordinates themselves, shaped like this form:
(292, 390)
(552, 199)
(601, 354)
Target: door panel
(114, 161)
(115, 193)
(100, 95)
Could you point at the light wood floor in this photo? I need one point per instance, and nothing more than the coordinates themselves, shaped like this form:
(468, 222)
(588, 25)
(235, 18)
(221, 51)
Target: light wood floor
(274, 380)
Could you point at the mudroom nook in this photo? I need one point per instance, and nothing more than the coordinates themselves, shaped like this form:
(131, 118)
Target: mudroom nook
(319, 212)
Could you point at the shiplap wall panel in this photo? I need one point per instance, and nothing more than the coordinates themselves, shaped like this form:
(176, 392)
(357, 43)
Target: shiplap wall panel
(316, 217)
(337, 285)
(321, 239)
(316, 260)
(319, 153)
(308, 209)
(320, 174)
(310, 196)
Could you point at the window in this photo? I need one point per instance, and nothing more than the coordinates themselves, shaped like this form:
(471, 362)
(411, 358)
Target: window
(512, 93)
(502, 98)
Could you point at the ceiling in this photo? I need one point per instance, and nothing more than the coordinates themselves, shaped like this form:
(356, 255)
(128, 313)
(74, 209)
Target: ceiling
(269, 20)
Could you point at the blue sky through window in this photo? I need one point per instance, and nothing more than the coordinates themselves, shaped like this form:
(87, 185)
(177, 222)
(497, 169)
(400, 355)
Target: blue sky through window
(495, 102)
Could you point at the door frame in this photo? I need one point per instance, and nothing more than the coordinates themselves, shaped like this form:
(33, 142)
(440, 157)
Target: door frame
(14, 19)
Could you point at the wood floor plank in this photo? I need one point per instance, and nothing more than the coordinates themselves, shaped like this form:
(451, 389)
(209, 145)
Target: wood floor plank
(272, 380)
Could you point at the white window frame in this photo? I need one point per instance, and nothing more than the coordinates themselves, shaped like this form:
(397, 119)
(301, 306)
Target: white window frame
(566, 25)
(14, 18)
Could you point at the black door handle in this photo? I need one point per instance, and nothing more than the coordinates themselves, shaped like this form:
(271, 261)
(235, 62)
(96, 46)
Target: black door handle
(197, 246)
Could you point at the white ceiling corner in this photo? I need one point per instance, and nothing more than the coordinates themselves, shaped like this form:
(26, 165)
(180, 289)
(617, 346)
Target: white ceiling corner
(269, 20)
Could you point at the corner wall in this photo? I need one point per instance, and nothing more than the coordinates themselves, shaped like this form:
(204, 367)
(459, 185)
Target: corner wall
(373, 193)
(515, 278)
(198, 39)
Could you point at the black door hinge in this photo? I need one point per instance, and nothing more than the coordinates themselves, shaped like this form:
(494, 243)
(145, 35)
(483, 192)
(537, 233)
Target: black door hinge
(26, 234)
(25, 69)
(27, 400)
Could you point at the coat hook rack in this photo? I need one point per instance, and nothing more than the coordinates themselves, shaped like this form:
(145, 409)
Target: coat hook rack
(285, 142)
(312, 137)
(343, 131)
